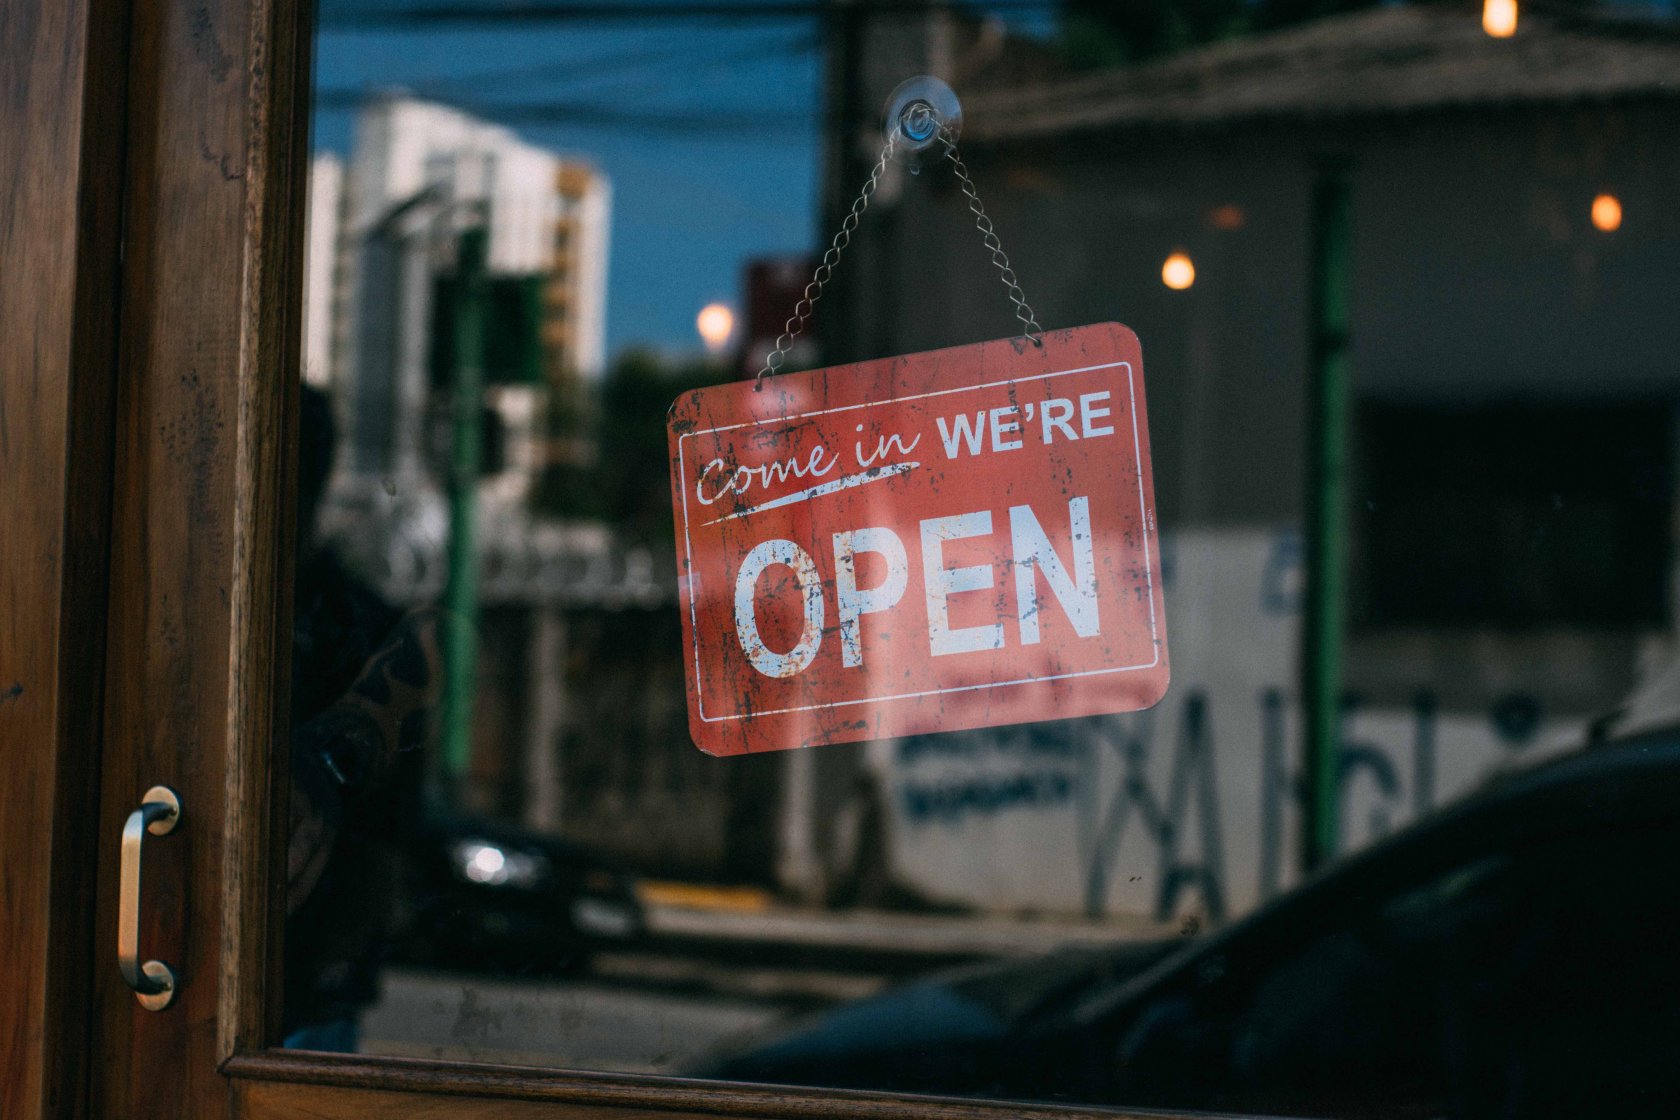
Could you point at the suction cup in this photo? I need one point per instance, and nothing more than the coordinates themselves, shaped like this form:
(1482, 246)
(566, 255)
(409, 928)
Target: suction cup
(918, 110)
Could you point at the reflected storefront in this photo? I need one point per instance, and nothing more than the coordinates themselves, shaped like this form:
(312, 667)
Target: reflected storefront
(1461, 537)
(566, 719)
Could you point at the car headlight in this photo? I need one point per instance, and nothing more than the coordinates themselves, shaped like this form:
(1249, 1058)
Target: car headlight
(488, 863)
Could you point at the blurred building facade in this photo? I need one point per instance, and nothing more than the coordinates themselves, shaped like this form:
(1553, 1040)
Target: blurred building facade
(1514, 427)
(381, 237)
(575, 295)
(579, 724)
(772, 289)
(382, 245)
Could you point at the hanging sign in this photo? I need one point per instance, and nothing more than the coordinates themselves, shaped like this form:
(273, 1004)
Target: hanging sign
(956, 539)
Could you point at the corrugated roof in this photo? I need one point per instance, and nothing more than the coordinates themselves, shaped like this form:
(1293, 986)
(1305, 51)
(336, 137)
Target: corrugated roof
(1381, 61)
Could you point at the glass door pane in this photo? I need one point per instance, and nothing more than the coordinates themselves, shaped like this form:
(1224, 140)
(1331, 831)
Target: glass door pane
(1412, 406)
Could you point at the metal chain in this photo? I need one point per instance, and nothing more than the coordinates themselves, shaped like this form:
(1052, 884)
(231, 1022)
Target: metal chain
(813, 291)
(1030, 330)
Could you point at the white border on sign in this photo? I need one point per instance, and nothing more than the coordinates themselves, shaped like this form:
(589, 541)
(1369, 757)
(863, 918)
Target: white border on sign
(1143, 517)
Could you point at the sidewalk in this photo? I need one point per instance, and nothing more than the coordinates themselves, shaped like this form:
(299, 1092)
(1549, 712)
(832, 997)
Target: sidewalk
(748, 920)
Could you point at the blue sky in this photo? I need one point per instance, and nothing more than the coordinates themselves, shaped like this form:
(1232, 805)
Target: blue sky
(689, 208)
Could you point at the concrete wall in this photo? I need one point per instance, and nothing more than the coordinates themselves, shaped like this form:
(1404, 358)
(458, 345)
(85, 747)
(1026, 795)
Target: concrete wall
(1189, 808)
(1477, 278)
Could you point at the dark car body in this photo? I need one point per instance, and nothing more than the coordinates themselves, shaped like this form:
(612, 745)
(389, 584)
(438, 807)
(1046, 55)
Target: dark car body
(481, 894)
(1517, 954)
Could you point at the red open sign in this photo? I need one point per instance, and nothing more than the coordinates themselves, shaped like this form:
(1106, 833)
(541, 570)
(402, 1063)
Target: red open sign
(962, 538)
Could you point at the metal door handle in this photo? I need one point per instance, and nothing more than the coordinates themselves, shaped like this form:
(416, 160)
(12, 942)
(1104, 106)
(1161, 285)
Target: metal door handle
(153, 982)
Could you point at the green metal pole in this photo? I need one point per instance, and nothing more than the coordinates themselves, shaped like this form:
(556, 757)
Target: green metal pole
(1326, 551)
(461, 593)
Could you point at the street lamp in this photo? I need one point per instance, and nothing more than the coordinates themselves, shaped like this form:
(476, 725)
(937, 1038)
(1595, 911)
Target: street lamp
(1607, 213)
(1499, 18)
(715, 324)
(1177, 271)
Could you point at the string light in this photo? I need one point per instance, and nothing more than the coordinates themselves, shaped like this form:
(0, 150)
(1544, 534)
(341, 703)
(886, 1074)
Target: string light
(1499, 18)
(1177, 272)
(1607, 213)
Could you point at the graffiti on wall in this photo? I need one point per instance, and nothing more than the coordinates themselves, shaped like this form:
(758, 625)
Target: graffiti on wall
(1194, 805)
(1058, 768)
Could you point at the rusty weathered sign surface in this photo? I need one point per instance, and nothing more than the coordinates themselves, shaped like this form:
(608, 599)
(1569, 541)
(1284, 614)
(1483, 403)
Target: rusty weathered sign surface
(962, 538)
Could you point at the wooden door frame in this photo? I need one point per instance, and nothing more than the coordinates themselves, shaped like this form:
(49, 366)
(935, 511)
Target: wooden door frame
(218, 97)
(216, 124)
(61, 106)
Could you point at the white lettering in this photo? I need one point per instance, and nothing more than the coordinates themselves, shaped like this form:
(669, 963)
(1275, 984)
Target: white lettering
(1088, 413)
(999, 427)
(853, 604)
(1034, 554)
(964, 433)
(763, 658)
(700, 486)
(884, 445)
(815, 465)
(941, 582)
(1055, 415)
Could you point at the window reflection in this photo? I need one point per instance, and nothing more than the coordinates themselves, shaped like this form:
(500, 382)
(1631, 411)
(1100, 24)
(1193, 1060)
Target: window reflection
(523, 244)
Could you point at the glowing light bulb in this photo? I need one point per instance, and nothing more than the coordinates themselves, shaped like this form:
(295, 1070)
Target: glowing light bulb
(715, 324)
(1607, 213)
(1499, 18)
(1177, 272)
(1228, 217)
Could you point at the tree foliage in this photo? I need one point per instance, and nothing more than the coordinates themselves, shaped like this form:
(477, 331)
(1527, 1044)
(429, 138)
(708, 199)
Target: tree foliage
(626, 482)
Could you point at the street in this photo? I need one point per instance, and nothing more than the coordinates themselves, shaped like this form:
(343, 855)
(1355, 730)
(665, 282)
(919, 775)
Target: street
(581, 1024)
(703, 979)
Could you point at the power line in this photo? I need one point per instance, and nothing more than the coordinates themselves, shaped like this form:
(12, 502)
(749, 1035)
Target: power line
(606, 116)
(554, 11)
(582, 114)
(613, 115)
(590, 68)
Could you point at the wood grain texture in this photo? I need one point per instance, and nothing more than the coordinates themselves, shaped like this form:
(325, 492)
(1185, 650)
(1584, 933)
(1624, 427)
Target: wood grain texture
(60, 127)
(278, 1100)
(200, 541)
(210, 304)
(265, 465)
(325, 1082)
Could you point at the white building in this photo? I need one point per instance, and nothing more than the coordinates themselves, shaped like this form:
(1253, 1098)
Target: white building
(549, 214)
(381, 238)
(413, 168)
(324, 223)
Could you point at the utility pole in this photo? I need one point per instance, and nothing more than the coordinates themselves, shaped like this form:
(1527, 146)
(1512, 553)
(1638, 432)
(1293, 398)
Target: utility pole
(1326, 505)
(460, 635)
(842, 169)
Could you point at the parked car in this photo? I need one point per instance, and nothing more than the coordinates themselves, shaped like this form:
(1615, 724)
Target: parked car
(484, 894)
(1516, 954)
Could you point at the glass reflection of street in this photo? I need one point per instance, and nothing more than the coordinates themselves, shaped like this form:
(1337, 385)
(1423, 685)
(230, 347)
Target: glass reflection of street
(1402, 277)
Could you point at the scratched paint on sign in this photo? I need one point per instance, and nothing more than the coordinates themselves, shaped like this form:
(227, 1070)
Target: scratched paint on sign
(956, 539)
